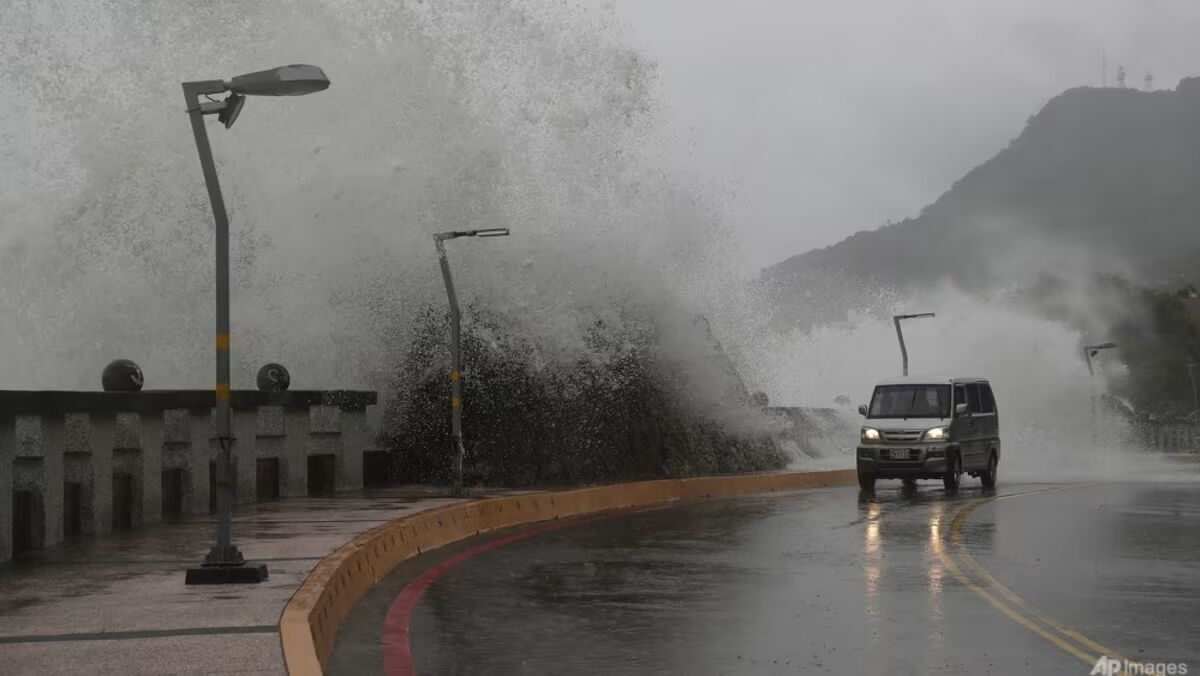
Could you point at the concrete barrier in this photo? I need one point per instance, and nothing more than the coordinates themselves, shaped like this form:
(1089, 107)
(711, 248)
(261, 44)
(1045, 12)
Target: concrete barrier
(84, 463)
(311, 620)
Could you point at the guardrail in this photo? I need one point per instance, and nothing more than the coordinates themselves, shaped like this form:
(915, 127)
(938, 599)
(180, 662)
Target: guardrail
(84, 463)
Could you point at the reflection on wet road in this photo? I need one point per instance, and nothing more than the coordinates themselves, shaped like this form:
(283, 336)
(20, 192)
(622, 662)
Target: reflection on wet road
(1032, 579)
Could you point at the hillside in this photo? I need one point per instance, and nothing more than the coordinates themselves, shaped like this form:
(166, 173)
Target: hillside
(1108, 178)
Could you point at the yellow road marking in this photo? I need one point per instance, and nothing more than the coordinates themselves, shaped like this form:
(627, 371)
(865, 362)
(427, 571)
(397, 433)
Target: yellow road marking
(966, 558)
(222, 391)
(223, 341)
(967, 582)
(1033, 616)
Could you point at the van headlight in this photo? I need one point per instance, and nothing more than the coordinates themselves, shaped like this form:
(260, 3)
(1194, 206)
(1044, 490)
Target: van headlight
(937, 434)
(870, 434)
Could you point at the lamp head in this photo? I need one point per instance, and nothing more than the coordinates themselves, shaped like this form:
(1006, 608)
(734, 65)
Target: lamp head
(492, 232)
(293, 80)
(233, 107)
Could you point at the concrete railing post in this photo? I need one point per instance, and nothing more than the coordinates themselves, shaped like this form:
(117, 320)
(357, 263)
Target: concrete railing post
(100, 441)
(295, 458)
(7, 454)
(245, 450)
(40, 457)
(354, 432)
(151, 448)
(271, 439)
(200, 429)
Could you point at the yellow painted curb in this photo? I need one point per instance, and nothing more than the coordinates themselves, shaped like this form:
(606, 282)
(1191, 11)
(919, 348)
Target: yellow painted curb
(311, 621)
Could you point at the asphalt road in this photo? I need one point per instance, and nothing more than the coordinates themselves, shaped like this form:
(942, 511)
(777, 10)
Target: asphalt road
(1031, 579)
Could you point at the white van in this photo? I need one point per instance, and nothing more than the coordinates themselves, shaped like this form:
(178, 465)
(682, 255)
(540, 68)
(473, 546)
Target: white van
(930, 427)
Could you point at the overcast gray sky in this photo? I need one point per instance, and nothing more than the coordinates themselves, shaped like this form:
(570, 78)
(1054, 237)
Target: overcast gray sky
(831, 117)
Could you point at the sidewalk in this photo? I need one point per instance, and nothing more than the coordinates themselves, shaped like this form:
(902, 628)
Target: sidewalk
(118, 605)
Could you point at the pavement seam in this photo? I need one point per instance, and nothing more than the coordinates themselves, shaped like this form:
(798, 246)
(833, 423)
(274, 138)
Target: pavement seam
(140, 634)
(142, 562)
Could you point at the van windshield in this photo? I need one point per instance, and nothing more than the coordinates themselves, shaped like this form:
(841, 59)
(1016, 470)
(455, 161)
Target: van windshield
(910, 401)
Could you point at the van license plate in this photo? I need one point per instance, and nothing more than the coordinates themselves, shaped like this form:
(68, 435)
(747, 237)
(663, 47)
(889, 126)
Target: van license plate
(900, 454)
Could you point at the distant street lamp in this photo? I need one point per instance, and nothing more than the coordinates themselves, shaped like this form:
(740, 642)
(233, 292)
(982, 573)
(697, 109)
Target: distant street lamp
(900, 334)
(455, 346)
(1195, 393)
(1090, 351)
(224, 563)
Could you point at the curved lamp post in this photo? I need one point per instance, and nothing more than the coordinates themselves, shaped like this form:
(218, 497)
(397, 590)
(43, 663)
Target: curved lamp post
(455, 351)
(224, 562)
(900, 335)
(1090, 351)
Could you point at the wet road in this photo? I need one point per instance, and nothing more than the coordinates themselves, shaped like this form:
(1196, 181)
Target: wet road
(1038, 579)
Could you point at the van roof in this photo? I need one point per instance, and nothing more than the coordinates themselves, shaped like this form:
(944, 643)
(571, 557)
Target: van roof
(931, 380)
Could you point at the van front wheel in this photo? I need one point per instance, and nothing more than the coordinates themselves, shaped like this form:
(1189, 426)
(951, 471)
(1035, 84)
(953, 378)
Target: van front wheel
(953, 475)
(866, 481)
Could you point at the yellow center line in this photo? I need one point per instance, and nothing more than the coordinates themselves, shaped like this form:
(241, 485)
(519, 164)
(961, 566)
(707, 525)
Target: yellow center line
(1032, 615)
(1015, 616)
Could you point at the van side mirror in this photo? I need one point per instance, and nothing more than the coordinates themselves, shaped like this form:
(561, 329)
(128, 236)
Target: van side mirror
(862, 410)
(960, 409)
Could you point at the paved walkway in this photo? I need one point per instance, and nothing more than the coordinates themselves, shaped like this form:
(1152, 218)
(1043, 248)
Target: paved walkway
(118, 604)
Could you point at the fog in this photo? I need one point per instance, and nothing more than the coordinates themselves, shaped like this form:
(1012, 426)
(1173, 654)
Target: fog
(647, 156)
(825, 118)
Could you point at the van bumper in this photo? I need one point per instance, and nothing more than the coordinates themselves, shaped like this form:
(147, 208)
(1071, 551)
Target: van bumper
(928, 462)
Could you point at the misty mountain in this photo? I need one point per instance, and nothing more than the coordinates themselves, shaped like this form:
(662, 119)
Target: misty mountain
(1105, 179)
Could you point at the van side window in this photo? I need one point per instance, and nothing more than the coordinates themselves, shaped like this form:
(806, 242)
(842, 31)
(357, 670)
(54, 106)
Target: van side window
(987, 400)
(960, 395)
(973, 402)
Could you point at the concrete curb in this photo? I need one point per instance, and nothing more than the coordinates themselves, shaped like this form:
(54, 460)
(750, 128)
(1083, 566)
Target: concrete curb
(311, 620)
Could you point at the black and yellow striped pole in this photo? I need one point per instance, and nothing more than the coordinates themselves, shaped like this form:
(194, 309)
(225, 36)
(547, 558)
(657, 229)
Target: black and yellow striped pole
(458, 449)
(224, 553)
(224, 562)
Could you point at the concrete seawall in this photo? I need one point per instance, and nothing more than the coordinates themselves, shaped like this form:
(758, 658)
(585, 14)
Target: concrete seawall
(87, 463)
(311, 620)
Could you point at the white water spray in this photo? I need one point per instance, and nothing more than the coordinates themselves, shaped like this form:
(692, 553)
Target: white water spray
(476, 113)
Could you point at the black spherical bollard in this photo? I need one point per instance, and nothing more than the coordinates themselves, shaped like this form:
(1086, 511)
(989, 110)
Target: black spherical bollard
(121, 375)
(274, 378)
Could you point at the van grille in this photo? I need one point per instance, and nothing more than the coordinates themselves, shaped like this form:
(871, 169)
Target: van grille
(903, 435)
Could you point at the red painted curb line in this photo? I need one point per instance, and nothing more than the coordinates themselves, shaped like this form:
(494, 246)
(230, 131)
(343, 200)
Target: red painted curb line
(397, 648)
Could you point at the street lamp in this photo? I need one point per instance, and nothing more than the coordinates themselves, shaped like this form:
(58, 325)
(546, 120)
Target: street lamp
(900, 334)
(1195, 393)
(224, 563)
(1090, 351)
(455, 351)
